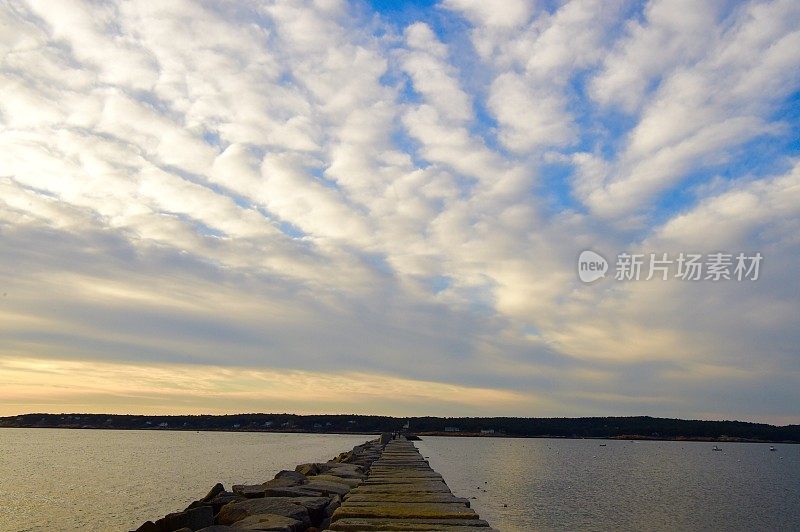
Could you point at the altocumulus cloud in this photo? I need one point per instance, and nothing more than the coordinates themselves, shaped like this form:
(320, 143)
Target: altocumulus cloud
(317, 206)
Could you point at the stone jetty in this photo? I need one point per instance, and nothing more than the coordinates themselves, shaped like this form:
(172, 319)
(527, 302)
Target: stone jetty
(383, 484)
(402, 492)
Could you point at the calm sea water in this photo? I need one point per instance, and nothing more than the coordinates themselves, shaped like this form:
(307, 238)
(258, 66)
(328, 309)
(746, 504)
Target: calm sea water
(556, 484)
(53, 479)
(114, 480)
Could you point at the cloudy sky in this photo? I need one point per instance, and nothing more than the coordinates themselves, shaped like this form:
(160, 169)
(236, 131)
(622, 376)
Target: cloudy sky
(333, 206)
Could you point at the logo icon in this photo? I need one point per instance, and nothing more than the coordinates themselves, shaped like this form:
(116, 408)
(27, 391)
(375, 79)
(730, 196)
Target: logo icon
(591, 266)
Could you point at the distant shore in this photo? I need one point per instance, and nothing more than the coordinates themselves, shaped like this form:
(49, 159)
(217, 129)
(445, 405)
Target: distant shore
(417, 436)
(614, 428)
(625, 437)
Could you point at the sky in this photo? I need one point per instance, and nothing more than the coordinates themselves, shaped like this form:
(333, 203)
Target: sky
(372, 207)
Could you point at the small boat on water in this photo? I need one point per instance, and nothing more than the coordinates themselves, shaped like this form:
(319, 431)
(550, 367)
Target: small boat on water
(602, 445)
(771, 448)
(716, 448)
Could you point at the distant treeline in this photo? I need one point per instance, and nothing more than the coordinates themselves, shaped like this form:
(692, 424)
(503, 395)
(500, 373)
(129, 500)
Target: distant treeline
(585, 427)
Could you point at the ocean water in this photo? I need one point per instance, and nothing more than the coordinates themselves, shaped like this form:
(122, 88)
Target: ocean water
(53, 479)
(107, 480)
(558, 484)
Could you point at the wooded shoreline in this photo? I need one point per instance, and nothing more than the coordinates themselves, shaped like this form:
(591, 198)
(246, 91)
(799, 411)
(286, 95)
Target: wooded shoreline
(625, 428)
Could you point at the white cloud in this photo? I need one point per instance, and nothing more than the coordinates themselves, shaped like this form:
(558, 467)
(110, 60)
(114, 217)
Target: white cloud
(261, 187)
(494, 13)
(432, 75)
(532, 66)
(530, 118)
(673, 33)
(703, 108)
(769, 207)
(288, 192)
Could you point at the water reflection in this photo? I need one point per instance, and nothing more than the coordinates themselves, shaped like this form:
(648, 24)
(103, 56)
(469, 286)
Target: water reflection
(557, 484)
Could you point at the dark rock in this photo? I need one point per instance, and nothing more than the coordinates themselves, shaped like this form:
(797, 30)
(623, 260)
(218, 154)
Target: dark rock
(236, 511)
(308, 469)
(296, 475)
(344, 457)
(353, 469)
(286, 481)
(327, 488)
(271, 522)
(218, 528)
(216, 490)
(194, 519)
(336, 501)
(335, 464)
(291, 491)
(224, 498)
(250, 491)
(345, 473)
(327, 477)
(315, 505)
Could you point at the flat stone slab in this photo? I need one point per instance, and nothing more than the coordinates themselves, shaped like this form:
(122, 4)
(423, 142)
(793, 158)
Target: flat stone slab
(411, 461)
(394, 459)
(409, 504)
(464, 503)
(250, 491)
(422, 487)
(391, 465)
(345, 473)
(452, 525)
(398, 480)
(404, 473)
(400, 463)
(410, 465)
(294, 491)
(388, 468)
(349, 482)
(344, 465)
(404, 497)
(406, 510)
(403, 492)
(326, 488)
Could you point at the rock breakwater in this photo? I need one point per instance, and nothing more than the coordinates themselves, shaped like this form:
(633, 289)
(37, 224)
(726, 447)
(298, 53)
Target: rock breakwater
(302, 500)
(383, 484)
